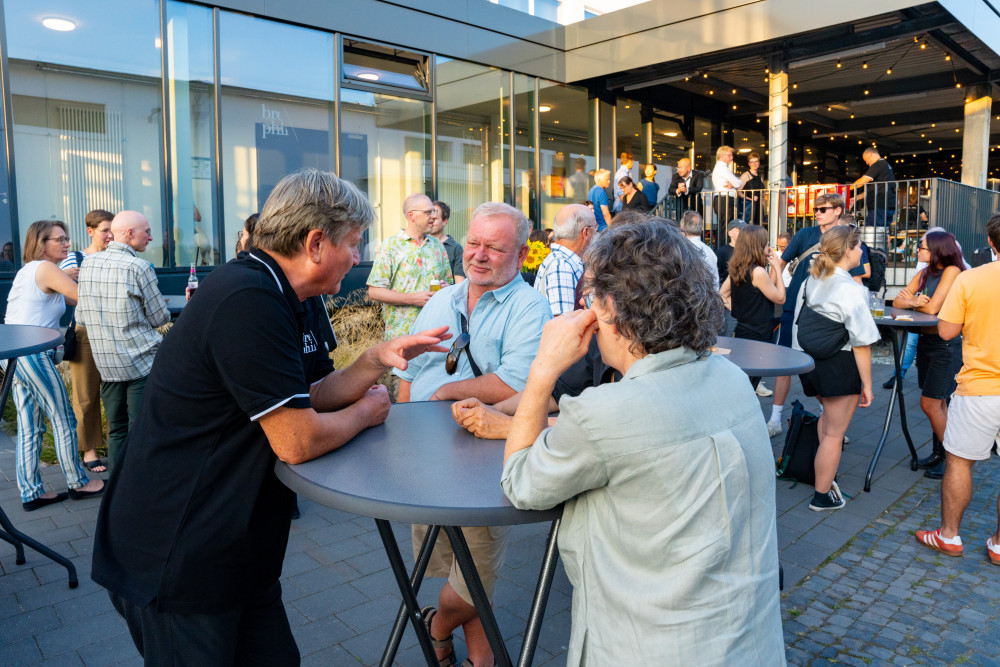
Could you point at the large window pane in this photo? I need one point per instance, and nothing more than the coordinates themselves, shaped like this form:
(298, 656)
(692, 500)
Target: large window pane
(385, 150)
(87, 116)
(524, 154)
(472, 136)
(191, 100)
(567, 161)
(277, 113)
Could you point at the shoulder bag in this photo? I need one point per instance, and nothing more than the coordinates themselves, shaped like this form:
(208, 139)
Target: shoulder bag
(819, 336)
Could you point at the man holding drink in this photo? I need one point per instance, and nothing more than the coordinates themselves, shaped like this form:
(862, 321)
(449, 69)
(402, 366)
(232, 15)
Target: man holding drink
(408, 267)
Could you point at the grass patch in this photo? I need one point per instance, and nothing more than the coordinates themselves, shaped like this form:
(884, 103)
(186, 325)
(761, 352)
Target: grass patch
(795, 612)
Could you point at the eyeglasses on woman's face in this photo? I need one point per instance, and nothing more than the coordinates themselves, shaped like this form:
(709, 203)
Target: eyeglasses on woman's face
(61, 240)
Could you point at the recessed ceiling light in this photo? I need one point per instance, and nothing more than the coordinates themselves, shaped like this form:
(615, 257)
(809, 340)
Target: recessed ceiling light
(545, 107)
(670, 134)
(368, 76)
(62, 25)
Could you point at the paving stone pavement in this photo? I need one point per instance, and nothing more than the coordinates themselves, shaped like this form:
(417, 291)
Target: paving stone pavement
(340, 594)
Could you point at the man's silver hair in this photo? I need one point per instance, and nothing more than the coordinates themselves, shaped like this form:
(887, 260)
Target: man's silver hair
(522, 226)
(692, 223)
(307, 200)
(577, 218)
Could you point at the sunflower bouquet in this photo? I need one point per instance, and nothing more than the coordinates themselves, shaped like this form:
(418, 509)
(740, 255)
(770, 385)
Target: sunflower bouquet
(537, 252)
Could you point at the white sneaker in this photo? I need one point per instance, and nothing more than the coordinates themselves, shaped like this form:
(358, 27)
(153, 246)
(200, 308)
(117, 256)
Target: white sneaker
(773, 429)
(763, 391)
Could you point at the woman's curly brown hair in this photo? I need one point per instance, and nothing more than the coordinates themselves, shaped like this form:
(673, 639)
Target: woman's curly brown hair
(662, 290)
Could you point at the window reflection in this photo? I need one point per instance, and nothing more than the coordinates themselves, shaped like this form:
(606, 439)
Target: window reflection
(87, 118)
(525, 195)
(191, 99)
(277, 115)
(384, 65)
(385, 151)
(472, 135)
(567, 163)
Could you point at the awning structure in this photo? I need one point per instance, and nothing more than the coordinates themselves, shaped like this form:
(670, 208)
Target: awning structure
(903, 80)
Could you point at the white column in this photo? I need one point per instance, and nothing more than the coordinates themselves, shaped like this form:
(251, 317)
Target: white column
(777, 157)
(976, 139)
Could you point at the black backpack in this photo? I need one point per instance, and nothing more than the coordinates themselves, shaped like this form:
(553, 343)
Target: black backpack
(877, 259)
(981, 256)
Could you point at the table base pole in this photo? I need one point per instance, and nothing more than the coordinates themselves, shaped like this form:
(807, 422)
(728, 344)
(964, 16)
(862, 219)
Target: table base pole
(408, 593)
(898, 342)
(537, 612)
(482, 603)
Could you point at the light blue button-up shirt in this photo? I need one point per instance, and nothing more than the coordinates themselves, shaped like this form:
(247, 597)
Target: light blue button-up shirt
(505, 328)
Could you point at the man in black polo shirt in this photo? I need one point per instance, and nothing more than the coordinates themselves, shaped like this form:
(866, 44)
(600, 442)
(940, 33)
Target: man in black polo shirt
(192, 531)
(879, 195)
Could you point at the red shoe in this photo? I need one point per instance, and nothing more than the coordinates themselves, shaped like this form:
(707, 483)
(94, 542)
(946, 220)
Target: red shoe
(933, 539)
(993, 550)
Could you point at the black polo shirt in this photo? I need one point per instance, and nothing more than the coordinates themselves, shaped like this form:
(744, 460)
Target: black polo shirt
(194, 516)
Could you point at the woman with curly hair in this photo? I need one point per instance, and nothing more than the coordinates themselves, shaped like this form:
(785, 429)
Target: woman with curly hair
(938, 360)
(669, 513)
(751, 289)
(843, 381)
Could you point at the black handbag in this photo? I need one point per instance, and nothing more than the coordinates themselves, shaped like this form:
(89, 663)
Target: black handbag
(819, 336)
(69, 341)
(798, 458)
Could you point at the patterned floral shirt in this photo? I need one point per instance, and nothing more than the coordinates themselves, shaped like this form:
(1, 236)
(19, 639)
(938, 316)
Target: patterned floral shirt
(403, 265)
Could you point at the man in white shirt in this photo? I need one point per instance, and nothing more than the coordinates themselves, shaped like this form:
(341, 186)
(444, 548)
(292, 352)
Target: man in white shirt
(694, 228)
(726, 183)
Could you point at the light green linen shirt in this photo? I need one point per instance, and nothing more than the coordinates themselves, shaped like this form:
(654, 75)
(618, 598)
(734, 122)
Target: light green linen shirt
(668, 534)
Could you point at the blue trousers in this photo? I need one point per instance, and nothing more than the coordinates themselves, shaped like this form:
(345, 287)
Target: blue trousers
(39, 389)
(909, 352)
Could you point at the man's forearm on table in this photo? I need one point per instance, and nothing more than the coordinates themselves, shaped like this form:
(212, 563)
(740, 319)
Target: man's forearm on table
(488, 388)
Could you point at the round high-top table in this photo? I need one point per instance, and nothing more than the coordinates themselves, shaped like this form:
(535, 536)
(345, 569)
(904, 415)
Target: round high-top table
(763, 359)
(18, 340)
(899, 329)
(422, 467)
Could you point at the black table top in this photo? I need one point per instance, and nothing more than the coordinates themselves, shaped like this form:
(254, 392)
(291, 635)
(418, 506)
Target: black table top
(420, 466)
(763, 359)
(919, 319)
(17, 340)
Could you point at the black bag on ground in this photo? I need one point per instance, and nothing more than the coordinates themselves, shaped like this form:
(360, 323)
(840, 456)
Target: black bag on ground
(818, 335)
(981, 256)
(798, 458)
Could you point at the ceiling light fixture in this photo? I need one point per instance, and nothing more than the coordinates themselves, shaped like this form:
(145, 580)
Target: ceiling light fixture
(544, 107)
(368, 76)
(60, 25)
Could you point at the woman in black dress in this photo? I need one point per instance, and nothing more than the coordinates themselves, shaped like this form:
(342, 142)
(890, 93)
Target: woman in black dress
(633, 197)
(752, 288)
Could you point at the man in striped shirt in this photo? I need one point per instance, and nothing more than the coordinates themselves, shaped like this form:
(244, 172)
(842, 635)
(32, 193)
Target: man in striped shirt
(560, 272)
(120, 304)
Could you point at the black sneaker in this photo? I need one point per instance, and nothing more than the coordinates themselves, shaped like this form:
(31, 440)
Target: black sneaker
(890, 383)
(831, 500)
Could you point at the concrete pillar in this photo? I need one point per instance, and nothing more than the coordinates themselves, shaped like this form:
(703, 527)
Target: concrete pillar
(777, 144)
(976, 139)
(646, 138)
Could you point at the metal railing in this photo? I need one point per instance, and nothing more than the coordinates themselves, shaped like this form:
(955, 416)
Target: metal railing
(892, 215)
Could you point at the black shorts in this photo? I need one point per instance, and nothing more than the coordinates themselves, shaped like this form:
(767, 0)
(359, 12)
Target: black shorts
(836, 376)
(938, 362)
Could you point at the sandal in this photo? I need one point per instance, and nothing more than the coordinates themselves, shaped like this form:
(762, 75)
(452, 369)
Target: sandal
(93, 466)
(446, 644)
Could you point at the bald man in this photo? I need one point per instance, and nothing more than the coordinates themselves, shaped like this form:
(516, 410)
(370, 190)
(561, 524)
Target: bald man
(686, 184)
(121, 306)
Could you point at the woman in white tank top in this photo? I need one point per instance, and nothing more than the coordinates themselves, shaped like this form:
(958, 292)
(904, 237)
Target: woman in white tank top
(38, 297)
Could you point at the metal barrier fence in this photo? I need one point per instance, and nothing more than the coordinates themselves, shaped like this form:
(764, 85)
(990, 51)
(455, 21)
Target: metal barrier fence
(892, 215)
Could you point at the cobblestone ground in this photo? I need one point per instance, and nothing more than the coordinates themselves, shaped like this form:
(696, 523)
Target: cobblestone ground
(886, 600)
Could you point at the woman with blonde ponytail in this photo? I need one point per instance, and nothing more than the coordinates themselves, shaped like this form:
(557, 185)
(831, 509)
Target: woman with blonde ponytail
(841, 382)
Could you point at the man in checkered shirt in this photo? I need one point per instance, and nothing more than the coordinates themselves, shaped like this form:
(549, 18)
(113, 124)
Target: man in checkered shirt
(120, 304)
(562, 270)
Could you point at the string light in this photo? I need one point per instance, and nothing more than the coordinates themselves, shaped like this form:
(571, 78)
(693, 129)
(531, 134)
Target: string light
(889, 71)
(838, 63)
(864, 65)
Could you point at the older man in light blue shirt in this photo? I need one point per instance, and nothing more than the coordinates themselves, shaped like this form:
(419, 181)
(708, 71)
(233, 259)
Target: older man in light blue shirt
(503, 316)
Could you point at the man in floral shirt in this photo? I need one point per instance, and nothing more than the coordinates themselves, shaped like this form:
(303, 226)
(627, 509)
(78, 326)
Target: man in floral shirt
(406, 265)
